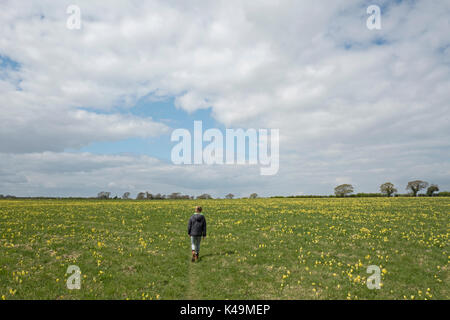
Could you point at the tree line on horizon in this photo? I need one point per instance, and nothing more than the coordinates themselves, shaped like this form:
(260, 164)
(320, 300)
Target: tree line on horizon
(388, 189)
(173, 196)
(344, 190)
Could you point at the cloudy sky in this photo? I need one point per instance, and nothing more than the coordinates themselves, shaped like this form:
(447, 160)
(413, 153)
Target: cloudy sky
(92, 109)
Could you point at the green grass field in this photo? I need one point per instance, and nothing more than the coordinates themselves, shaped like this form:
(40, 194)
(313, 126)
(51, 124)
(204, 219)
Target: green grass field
(255, 249)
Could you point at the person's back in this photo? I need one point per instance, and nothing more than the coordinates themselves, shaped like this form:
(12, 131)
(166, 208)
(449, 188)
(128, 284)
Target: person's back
(196, 229)
(197, 225)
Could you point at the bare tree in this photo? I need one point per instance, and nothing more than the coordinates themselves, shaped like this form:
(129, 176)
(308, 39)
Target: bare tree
(343, 190)
(126, 195)
(388, 189)
(253, 196)
(140, 196)
(103, 195)
(416, 185)
(229, 196)
(432, 189)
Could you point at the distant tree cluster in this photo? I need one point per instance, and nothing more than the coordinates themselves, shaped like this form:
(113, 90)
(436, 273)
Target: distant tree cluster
(177, 195)
(173, 196)
(103, 195)
(204, 196)
(8, 196)
(148, 196)
(388, 189)
(252, 196)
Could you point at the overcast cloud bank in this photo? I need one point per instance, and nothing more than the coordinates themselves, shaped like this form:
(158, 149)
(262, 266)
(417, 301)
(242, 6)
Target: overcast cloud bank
(352, 105)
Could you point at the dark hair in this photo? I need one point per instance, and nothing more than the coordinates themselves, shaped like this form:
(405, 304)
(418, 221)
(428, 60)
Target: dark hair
(198, 209)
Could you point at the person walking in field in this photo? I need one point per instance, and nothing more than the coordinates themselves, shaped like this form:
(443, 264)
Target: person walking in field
(196, 229)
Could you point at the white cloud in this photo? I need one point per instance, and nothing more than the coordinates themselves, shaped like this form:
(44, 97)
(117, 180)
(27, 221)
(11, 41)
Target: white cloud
(57, 129)
(86, 174)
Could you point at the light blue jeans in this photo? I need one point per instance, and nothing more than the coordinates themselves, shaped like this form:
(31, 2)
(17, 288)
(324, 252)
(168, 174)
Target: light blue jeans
(195, 243)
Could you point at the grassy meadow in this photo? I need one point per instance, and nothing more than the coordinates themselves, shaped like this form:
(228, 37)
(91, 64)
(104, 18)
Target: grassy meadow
(255, 249)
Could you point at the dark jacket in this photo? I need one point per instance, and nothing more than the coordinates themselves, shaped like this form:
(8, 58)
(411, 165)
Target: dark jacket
(197, 225)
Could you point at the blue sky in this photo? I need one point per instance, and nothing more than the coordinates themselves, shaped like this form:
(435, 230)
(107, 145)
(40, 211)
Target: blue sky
(163, 110)
(8, 63)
